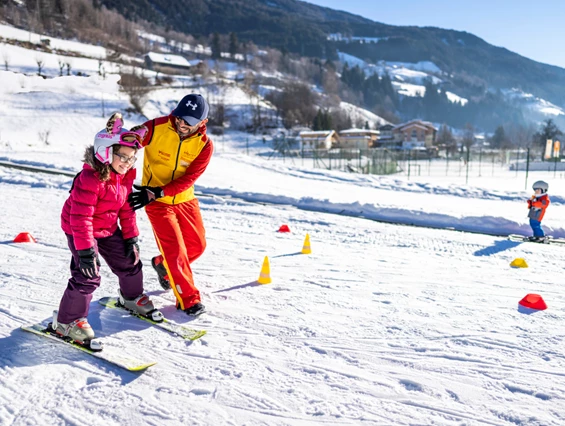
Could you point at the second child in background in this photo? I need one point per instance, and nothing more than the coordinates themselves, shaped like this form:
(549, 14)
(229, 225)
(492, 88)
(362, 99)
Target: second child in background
(537, 205)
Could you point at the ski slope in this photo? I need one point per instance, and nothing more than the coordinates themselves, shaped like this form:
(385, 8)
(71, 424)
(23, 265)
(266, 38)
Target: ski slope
(381, 324)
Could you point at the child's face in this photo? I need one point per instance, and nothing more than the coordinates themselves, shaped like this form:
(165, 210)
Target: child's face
(124, 159)
(537, 191)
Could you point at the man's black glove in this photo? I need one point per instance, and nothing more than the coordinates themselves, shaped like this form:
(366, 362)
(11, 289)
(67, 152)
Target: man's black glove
(144, 196)
(132, 249)
(89, 263)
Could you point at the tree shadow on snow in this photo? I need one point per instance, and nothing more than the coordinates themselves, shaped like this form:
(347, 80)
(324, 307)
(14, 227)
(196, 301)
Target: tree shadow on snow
(497, 247)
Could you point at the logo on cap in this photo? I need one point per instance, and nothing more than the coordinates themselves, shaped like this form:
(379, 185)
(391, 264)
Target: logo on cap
(190, 104)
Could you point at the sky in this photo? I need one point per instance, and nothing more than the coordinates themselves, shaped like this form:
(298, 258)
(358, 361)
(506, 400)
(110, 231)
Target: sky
(380, 324)
(531, 29)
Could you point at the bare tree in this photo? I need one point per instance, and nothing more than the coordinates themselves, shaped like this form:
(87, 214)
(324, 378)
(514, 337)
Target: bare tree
(68, 65)
(39, 60)
(445, 139)
(44, 136)
(6, 59)
(136, 87)
(520, 135)
(61, 63)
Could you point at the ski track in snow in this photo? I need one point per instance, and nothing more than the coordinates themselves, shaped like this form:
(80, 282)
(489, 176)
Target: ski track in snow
(381, 324)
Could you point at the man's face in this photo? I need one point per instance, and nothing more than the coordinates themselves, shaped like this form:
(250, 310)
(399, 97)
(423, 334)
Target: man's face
(184, 128)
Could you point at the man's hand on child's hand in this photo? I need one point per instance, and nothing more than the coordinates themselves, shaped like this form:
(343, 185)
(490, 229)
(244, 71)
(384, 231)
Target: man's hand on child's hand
(144, 196)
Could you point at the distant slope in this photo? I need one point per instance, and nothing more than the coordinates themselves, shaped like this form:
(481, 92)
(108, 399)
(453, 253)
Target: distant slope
(304, 28)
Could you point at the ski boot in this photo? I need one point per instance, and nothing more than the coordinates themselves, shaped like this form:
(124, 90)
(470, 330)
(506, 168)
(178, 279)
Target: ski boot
(194, 310)
(157, 263)
(535, 239)
(141, 305)
(78, 331)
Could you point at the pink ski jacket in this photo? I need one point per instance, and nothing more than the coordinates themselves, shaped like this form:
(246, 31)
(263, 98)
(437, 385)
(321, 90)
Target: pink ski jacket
(94, 207)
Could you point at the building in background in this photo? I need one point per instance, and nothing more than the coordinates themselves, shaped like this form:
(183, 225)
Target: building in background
(154, 60)
(415, 134)
(319, 139)
(358, 138)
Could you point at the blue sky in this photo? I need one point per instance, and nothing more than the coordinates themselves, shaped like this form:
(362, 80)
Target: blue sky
(534, 29)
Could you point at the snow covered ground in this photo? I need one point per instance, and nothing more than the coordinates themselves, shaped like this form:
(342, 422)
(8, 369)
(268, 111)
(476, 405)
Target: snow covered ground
(381, 324)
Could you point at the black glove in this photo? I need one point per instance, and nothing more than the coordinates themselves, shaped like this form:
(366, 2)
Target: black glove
(132, 249)
(146, 195)
(89, 263)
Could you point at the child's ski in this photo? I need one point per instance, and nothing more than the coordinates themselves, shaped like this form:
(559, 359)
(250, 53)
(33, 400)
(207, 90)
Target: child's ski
(546, 240)
(167, 325)
(113, 357)
(520, 238)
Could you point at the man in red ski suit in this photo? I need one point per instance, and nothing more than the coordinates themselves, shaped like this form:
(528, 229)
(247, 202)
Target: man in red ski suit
(177, 152)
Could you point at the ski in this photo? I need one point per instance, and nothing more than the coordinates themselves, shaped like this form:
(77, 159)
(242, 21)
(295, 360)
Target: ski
(548, 239)
(167, 325)
(109, 356)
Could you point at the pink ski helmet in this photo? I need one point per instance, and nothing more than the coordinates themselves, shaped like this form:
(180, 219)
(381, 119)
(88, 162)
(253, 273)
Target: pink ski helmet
(114, 134)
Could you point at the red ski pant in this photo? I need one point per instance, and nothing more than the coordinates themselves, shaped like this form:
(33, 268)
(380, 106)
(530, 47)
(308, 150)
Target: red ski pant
(180, 235)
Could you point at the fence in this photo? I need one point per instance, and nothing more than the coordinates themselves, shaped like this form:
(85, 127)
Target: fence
(463, 165)
(379, 161)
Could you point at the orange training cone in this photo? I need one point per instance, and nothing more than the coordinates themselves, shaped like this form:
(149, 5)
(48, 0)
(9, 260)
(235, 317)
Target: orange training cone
(306, 247)
(265, 275)
(24, 237)
(284, 228)
(533, 301)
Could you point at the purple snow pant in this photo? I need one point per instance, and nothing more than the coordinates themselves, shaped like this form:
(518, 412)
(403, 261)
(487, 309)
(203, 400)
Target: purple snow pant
(77, 296)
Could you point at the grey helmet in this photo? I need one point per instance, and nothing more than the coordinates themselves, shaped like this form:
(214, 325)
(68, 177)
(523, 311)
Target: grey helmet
(540, 184)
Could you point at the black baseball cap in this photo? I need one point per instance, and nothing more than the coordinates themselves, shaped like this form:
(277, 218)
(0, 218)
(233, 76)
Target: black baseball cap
(193, 108)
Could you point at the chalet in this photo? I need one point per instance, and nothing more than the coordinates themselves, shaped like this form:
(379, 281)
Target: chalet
(358, 138)
(320, 139)
(386, 138)
(153, 60)
(415, 134)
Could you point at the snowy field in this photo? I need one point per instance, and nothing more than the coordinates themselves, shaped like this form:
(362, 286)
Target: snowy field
(382, 324)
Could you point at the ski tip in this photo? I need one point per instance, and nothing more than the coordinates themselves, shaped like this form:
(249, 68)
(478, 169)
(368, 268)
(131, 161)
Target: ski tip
(141, 367)
(196, 335)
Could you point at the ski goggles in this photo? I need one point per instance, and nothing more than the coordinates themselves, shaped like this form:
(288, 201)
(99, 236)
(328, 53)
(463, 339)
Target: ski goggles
(133, 139)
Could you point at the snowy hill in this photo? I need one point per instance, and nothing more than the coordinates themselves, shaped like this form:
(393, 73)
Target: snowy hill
(408, 79)
(381, 324)
(240, 106)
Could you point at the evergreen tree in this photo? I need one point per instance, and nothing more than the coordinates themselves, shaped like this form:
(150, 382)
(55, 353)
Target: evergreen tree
(327, 121)
(233, 45)
(499, 139)
(317, 124)
(548, 131)
(216, 46)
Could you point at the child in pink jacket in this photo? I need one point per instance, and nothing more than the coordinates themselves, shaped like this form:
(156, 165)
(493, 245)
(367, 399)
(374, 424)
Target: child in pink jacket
(97, 202)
